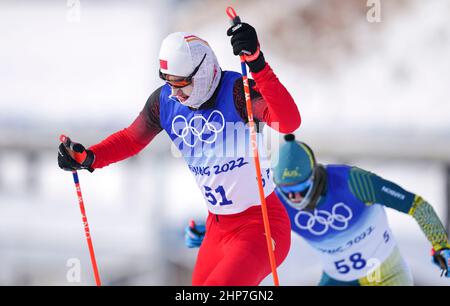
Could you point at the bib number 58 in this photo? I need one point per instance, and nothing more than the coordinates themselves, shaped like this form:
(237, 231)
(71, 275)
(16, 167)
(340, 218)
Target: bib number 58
(355, 261)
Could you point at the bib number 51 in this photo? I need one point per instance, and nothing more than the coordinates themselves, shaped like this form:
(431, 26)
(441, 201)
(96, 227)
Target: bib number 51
(212, 195)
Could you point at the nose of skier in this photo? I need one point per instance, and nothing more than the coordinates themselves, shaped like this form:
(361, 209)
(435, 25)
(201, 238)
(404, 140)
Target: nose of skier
(181, 93)
(295, 197)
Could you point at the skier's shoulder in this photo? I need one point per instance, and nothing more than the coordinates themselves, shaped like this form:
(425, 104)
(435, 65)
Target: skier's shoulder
(153, 100)
(347, 169)
(232, 77)
(155, 95)
(231, 74)
(238, 86)
(152, 107)
(237, 78)
(337, 175)
(337, 169)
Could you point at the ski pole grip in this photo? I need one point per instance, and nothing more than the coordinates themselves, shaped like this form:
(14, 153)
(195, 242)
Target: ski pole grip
(79, 154)
(65, 140)
(192, 224)
(193, 228)
(441, 262)
(69, 144)
(234, 18)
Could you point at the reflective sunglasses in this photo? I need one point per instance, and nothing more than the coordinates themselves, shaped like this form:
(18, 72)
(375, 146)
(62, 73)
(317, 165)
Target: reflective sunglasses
(184, 81)
(301, 187)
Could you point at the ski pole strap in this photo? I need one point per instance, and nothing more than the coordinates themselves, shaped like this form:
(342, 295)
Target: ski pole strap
(234, 18)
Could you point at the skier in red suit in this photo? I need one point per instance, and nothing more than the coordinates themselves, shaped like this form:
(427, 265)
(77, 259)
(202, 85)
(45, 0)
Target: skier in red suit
(194, 107)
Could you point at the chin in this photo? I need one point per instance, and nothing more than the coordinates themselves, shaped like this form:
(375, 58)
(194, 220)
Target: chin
(296, 201)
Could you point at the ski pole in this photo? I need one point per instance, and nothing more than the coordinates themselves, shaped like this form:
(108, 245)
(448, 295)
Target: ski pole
(193, 228)
(235, 20)
(68, 144)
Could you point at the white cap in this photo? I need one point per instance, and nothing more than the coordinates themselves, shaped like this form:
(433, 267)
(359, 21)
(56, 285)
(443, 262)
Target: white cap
(175, 56)
(180, 53)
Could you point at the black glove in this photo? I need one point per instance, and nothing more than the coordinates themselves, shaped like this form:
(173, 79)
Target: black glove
(68, 156)
(245, 40)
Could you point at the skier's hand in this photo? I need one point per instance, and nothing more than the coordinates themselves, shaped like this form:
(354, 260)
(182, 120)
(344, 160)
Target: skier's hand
(193, 234)
(244, 40)
(441, 258)
(73, 156)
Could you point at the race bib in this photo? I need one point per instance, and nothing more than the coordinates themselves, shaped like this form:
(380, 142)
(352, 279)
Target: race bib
(355, 253)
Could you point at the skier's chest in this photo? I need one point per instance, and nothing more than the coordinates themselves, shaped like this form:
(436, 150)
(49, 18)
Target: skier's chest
(337, 214)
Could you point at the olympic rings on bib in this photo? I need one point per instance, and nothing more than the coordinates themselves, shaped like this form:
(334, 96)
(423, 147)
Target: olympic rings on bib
(320, 221)
(194, 131)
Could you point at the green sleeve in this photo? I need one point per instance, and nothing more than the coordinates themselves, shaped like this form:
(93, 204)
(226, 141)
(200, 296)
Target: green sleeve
(370, 189)
(430, 223)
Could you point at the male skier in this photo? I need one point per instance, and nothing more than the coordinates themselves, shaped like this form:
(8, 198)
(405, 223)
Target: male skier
(339, 211)
(196, 107)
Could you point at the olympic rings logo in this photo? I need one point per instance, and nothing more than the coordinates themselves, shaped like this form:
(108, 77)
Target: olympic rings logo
(318, 222)
(198, 127)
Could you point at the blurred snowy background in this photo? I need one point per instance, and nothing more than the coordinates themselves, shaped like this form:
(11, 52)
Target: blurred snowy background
(372, 94)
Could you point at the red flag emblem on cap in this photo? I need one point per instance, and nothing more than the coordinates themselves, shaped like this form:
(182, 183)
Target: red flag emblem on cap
(163, 64)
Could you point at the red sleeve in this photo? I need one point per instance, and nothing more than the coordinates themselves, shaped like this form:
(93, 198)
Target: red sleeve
(131, 140)
(276, 105)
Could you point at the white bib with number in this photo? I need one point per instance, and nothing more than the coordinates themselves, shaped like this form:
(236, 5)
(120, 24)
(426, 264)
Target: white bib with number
(355, 254)
(215, 143)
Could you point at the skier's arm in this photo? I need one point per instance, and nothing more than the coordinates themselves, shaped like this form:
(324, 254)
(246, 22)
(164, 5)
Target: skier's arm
(280, 114)
(131, 140)
(371, 189)
(280, 106)
(430, 223)
(275, 105)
